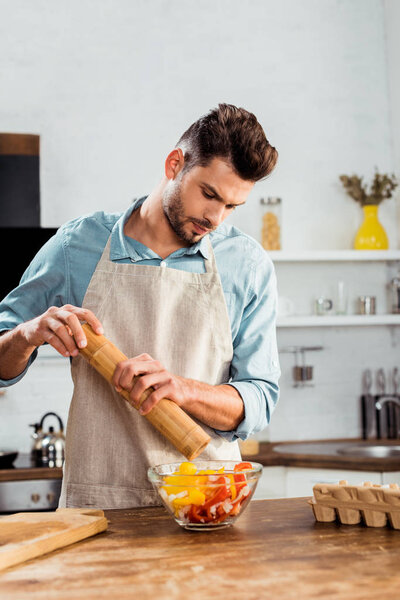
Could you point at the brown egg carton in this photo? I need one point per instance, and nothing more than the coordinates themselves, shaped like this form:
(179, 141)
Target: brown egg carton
(372, 504)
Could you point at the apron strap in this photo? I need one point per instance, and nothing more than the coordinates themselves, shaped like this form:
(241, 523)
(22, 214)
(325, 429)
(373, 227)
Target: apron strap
(105, 257)
(209, 263)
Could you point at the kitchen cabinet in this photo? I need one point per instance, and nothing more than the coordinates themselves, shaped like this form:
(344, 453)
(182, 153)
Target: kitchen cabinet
(272, 483)
(300, 482)
(28, 487)
(393, 477)
(293, 482)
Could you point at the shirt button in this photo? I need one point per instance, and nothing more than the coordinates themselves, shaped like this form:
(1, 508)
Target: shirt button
(163, 264)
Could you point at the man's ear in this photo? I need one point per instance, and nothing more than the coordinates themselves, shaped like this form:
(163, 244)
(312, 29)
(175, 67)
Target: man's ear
(174, 163)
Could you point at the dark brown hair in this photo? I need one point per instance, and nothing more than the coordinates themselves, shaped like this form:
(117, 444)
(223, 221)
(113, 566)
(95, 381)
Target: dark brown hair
(232, 134)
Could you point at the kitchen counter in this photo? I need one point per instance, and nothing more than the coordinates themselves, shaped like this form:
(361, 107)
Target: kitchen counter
(275, 550)
(24, 468)
(313, 454)
(323, 454)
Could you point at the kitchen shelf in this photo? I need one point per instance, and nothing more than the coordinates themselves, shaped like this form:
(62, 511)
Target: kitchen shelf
(334, 255)
(337, 320)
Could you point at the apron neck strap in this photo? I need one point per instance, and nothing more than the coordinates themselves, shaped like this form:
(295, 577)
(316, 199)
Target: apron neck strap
(209, 263)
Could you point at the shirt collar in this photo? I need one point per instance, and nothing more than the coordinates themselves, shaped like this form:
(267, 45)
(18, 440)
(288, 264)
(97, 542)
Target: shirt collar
(122, 246)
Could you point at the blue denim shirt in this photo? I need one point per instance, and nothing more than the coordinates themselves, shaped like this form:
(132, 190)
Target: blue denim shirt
(61, 271)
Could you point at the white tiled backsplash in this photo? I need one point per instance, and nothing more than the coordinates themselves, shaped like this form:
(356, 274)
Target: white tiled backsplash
(47, 387)
(331, 408)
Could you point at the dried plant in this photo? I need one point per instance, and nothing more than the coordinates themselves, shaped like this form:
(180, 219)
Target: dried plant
(382, 187)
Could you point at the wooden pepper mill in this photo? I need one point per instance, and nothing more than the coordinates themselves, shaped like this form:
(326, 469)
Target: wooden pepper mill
(167, 417)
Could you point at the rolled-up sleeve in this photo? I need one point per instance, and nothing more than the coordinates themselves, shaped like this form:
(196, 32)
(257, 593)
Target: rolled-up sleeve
(255, 367)
(9, 382)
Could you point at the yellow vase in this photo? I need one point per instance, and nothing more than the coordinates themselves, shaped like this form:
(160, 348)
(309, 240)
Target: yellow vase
(371, 235)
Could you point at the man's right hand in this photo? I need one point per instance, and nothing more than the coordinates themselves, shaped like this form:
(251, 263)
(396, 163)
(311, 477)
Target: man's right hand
(61, 328)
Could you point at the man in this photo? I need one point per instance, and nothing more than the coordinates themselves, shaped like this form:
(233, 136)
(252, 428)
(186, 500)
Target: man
(190, 299)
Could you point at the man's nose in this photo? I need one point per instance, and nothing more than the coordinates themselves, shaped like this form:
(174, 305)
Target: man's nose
(216, 215)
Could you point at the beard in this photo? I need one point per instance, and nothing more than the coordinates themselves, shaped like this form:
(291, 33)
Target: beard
(175, 214)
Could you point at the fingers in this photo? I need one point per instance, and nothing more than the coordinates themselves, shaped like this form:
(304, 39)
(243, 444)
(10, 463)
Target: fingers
(93, 321)
(61, 328)
(69, 328)
(136, 375)
(53, 336)
(66, 326)
(58, 335)
(127, 370)
(73, 315)
(159, 381)
(154, 398)
(170, 386)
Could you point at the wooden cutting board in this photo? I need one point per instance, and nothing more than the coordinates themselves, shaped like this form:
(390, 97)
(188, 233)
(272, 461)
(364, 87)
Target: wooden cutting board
(27, 535)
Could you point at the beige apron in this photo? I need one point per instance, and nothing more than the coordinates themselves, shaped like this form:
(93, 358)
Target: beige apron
(180, 319)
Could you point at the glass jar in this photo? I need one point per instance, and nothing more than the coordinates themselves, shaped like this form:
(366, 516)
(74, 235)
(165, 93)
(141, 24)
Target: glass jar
(395, 294)
(271, 223)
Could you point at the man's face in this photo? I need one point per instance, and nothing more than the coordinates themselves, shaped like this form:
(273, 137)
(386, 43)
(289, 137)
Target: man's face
(197, 202)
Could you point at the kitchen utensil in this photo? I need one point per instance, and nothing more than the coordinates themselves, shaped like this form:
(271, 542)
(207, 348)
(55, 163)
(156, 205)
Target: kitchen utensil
(285, 306)
(207, 494)
(167, 417)
(371, 503)
(396, 413)
(395, 295)
(341, 300)
(323, 306)
(386, 409)
(366, 305)
(7, 458)
(48, 447)
(27, 535)
(381, 416)
(36, 448)
(368, 407)
(302, 374)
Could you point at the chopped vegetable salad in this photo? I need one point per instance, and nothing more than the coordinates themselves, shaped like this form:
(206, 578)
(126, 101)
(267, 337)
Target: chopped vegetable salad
(206, 496)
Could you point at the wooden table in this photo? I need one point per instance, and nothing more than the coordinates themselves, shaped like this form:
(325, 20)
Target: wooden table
(276, 550)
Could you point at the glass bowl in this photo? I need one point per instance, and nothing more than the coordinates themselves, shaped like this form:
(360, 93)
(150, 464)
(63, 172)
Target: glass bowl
(205, 494)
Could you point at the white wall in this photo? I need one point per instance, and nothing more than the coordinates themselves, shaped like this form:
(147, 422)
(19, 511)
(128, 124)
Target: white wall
(392, 24)
(392, 20)
(111, 85)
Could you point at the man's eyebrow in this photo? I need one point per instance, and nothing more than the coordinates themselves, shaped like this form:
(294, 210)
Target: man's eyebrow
(215, 193)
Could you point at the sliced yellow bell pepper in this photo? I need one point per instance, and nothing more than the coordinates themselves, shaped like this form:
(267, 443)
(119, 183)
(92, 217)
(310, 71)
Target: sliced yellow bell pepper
(187, 468)
(194, 497)
(233, 486)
